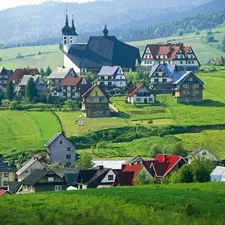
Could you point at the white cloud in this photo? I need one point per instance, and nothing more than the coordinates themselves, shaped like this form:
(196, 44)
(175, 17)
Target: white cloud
(13, 3)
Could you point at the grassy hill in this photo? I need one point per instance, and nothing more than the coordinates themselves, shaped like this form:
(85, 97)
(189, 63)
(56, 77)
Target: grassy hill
(191, 204)
(25, 131)
(51, 55)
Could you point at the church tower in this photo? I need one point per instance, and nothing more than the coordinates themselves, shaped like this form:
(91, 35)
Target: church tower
(69, 35)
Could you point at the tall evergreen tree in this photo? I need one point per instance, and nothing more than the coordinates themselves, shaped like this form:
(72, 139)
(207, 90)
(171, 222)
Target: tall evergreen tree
(42, 72)
(48, 71)
(10, 91)
(31, 90)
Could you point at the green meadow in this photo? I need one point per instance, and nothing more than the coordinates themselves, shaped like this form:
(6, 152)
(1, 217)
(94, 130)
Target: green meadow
(188, 204)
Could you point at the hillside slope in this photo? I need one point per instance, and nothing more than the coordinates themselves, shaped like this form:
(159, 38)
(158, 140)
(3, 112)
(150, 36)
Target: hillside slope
(187, 204)
(43, 23)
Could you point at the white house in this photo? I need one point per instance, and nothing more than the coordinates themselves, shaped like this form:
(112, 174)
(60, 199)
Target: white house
(113, 164)
(218, 174)
(112, 76)
(28, 167)
(61, 150)
(96, 178)
(141, 95)
(201, 153)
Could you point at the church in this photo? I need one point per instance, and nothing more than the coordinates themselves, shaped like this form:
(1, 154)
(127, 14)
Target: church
(99, 51)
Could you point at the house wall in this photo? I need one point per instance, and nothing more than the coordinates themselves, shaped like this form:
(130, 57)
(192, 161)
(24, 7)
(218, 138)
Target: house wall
(6, 177)
(69, 63)
(36, 165)
(142, 99)
(42, 188)
(203, 154)
(59, 151)
(69, 92)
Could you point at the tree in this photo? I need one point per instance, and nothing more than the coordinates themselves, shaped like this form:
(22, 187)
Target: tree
(180, 32)
(154, 150)
(179, 150)
(85, 162)
(209, 38)
(10, 91)
(48, 71)
(186, 174)
(222, 45)
(142, 178)
(42, 72)
(71, 104)
(31, 90)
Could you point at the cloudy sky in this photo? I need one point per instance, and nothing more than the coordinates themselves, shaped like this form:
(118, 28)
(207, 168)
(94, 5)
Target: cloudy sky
(12, 3)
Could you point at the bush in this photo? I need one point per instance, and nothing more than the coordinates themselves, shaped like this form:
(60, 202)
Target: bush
(13, 105)
(179, 150)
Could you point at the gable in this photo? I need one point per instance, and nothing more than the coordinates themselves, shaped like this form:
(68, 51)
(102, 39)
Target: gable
(51, 177)
(96, 91)
(61, 140)
(106, 180)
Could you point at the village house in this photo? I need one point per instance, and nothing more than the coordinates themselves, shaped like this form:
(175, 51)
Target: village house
(177, 54)
(201, 154)
(3, 192)
(96, 178)
(112, 77)
(43, 180)
(162, 77)
(218, 174)
(4, 76)
(28, 167)
(188, 88)
(57, 76)
(99, 51)
(113, 164)
(40, 84)
(7, 174)
(61, 150)
(209, 62)
(73, 87)
(95, 103)
(140, 94)
(18, 74)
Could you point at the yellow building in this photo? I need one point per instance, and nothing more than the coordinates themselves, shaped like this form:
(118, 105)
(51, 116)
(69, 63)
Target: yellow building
(7, 174)
(95, 103)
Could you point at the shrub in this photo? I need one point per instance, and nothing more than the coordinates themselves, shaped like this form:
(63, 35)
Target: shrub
(13, 105)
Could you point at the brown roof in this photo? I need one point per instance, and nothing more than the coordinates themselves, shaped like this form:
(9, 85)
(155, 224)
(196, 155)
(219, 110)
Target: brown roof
(71, 81)
(18, 73)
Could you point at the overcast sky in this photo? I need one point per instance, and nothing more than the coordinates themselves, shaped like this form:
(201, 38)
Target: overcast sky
(12, 3)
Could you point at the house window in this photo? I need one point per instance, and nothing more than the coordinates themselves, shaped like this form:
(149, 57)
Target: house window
(204, 153)
(26, 171)
(150, 99)
(50, 179)
(96, 93)
(25, 187)
(110, 177)
(181, 62)
(68, 149)
(164, 80)
(186, 86)
(138, 99)
(5, 183)
(185, 92)
(61, 142)
(68, 156)
(5, 174)
(156, 80)
(58, 187)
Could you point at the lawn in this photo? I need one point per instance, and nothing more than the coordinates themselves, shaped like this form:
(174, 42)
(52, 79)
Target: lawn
(213, 140)
(189, 204)
(25, 131)
(51, 55)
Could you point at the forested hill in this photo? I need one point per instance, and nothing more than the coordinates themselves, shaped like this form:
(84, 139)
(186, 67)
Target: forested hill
(42, 24)
(187, 25)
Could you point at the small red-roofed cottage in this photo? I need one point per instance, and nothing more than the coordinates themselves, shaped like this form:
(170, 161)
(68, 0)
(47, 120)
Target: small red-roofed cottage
(163, 165)
(140, 94)
(3, 192)
(73, 87)
(136, 169)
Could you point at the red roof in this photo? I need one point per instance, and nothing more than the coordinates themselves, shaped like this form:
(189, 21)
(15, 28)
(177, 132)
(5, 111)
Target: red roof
(135, 168)
(2, 192)
(71, 81)
(18, 73)
(163, 164)
(132, 91)
(170, 50)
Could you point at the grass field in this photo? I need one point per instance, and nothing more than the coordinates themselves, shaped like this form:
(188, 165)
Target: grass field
(195, 204)
(213, 140)
(51, 55)
(24, 131)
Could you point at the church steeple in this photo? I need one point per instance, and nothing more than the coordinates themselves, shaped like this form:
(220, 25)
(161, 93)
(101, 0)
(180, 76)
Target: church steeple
(105, 31)
(73, 29)
(66, 29)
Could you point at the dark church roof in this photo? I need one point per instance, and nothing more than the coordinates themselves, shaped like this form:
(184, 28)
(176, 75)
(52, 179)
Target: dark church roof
(103, 51)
